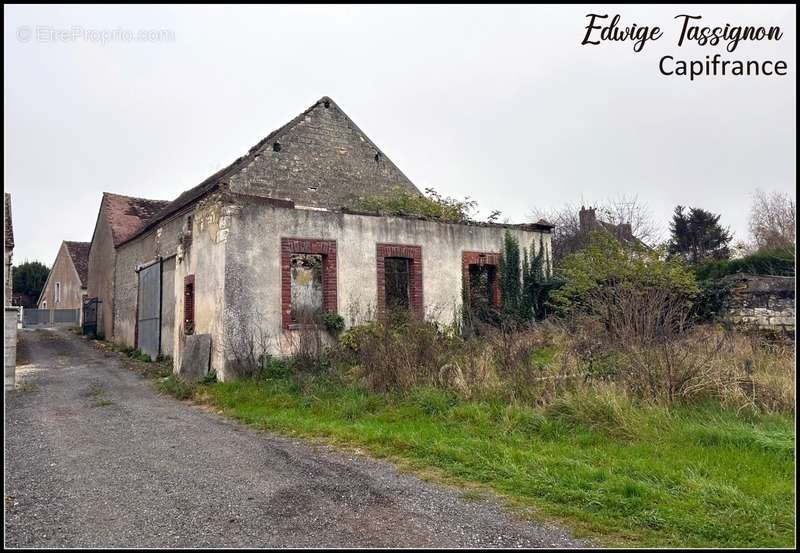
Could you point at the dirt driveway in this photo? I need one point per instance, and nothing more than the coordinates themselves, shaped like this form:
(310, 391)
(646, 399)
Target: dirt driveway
(95, 457)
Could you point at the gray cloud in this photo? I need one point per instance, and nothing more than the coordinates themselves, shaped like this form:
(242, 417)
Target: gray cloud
(500, 103)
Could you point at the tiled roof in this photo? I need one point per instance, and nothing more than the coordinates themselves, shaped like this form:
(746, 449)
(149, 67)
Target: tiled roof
(79, 252)
(9, 227)
(127, 214)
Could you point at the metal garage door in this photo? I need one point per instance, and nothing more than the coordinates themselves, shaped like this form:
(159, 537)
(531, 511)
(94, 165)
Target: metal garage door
(149, 310)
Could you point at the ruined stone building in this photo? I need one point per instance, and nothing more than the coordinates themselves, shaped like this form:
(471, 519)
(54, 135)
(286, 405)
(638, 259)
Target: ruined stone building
(248, 253)
(65, 286)
(764, 301)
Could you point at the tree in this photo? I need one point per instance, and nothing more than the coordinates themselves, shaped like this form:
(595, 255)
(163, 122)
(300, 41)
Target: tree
(28, 281)
(772, 221)
(697, 236)
(605, 264)
(568, 238)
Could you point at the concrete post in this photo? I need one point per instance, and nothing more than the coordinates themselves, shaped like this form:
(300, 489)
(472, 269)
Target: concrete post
(10, 346)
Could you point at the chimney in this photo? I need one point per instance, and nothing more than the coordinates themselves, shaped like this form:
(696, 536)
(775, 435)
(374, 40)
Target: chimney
(587, 218)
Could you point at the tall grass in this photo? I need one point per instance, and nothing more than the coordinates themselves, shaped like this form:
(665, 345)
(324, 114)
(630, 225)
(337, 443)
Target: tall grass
(607, 465)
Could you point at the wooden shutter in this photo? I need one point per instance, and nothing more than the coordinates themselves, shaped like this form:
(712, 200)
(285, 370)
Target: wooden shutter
(188, 304)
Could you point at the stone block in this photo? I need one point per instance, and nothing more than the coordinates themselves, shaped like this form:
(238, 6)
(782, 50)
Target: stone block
(196, 357)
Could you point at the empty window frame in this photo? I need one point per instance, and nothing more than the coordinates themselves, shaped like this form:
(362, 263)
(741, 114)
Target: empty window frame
(308, 280)
(480, 279)
(399, 272)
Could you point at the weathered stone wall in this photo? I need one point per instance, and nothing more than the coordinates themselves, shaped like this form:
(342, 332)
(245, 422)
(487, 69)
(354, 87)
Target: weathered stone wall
(102, 260)
(320, 159)
(765, 301)
(253, 263)
(161, 241)
(202, 254)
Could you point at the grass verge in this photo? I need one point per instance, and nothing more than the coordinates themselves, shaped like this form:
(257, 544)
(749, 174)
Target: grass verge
(612, 470)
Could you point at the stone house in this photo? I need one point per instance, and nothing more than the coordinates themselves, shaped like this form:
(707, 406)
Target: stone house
(8, 249)
(623, 232)
(66, 283)
(245, 255)
(117, 219)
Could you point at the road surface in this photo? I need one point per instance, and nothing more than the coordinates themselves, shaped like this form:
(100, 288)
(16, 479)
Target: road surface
(95, 457)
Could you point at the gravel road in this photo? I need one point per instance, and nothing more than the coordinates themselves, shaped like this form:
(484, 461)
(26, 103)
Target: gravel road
(95, 457)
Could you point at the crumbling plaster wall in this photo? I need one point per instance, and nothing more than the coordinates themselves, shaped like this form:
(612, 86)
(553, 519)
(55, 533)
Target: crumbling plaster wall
(202, 253)
(253, 262)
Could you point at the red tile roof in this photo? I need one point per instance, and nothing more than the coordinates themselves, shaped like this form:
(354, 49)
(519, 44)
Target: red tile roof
(9, 229)
(79, 252)
(127, 214)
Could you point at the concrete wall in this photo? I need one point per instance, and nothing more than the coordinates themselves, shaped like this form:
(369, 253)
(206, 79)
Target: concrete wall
(10, 346)
(162, 241)
(102, 260)
(63, 272)
(202, 254)
(253, 263)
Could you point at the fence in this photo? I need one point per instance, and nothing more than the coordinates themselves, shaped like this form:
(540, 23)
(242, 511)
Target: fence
(50, 317)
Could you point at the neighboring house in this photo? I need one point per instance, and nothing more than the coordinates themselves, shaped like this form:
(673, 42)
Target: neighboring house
(8, 249)
(623, 232)
(117, 219)
(65, 286)
(246, 254)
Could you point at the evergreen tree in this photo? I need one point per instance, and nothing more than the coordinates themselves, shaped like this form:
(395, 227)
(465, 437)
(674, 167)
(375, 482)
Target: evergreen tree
(28, 280)
(510, 284)
(697, 236)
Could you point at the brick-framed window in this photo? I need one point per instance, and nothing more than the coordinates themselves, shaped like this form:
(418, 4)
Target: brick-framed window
(471, 262)
(188, 304)
(295, 246)
(410, 261)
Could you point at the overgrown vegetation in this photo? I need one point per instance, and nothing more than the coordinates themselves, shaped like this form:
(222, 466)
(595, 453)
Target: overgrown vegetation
(779, 262)
(627, 414)
(605, 263)
(616, 470)
(431, 205)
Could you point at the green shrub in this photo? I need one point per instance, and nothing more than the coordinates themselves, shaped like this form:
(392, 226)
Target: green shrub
(177, 387)
(769, 262)
(605, 264)
(432, 206)
(334, 323)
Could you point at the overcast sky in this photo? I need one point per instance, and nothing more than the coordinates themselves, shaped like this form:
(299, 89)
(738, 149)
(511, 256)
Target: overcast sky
(499, 103)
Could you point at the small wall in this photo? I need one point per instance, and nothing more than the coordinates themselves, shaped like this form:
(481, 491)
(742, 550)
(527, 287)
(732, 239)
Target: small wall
(10, 346)
(762, 300)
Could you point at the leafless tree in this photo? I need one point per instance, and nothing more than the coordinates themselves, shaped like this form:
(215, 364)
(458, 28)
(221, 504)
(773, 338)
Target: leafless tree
(772, 220)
